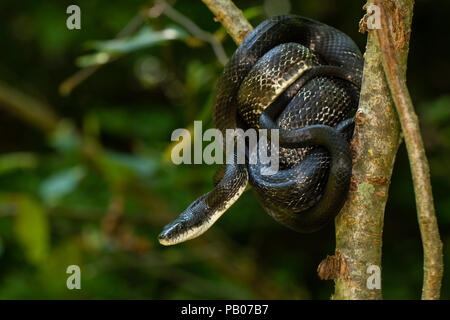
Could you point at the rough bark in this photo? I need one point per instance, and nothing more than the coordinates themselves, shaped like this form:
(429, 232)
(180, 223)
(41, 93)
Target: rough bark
(359, 226)
(388, 39)
(231, 18)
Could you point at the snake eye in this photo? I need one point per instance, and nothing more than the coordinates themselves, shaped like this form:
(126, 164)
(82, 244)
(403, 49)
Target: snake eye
(188, 225)
(169, 234)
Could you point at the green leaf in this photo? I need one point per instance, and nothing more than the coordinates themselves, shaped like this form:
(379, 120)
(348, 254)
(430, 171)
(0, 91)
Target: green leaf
(97, 58)
(17, 160)
(198, 75)
(31, 229)
(65, 137)
(53, 272)
(61, 183)
(138, 164)
(253, 12)
(146, 37)
(135, 123)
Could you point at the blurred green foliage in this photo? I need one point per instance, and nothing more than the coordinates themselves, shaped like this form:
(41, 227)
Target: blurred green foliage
(97, 189)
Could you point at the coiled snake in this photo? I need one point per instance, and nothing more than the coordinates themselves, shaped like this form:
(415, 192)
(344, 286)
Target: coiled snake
(302, 77)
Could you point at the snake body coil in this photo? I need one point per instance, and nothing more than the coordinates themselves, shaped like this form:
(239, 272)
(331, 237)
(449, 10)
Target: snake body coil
(302, 77)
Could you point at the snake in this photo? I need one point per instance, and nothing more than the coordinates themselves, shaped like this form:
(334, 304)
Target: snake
(302, 78)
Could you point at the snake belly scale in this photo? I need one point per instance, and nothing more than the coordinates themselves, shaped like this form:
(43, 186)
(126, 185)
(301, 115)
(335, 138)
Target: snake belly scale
(303, 78)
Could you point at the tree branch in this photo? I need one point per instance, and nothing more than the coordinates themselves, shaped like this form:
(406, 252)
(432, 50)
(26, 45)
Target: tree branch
(359, 225)
(432, 245)
(195, 30)
(27, 108)
(67, 86)
(231, 18)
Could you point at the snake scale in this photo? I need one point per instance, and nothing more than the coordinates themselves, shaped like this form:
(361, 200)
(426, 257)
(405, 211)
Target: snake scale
(303, 78)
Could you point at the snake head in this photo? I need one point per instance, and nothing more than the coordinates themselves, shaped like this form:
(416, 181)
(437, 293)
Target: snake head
(191, 223)
(204, 212)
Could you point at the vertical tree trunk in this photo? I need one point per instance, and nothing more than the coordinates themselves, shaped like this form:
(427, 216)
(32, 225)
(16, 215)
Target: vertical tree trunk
(359, 226)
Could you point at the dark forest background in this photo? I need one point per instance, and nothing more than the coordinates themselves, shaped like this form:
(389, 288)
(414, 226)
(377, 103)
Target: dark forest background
(86, 177)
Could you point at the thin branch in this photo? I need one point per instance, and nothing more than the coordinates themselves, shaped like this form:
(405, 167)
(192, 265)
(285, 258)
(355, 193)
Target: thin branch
(359, 225)
(27, 108)
(231, 18)
(40, 115)
(195, 30)
(432, 245)
(67, 86)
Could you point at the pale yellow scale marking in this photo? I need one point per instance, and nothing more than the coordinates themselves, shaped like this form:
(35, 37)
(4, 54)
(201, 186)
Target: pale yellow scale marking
(195, 232)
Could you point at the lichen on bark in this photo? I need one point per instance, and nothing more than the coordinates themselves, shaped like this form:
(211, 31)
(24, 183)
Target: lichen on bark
(359, 226)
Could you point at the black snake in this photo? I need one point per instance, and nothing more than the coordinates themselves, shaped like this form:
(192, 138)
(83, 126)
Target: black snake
(302, 77)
